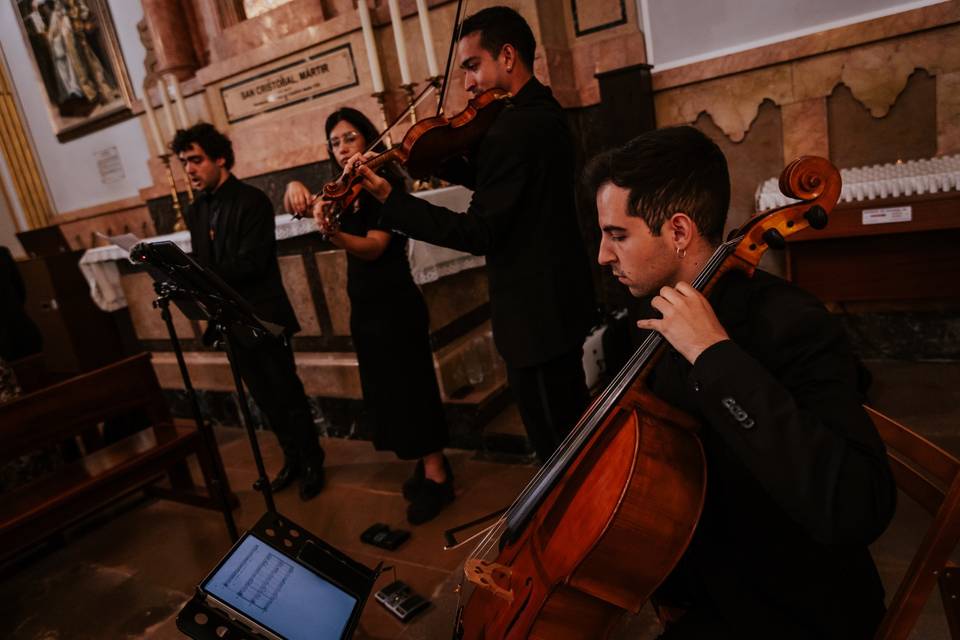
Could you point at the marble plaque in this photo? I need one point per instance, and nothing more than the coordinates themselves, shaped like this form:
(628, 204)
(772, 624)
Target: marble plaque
(290, 83)
(597, 15)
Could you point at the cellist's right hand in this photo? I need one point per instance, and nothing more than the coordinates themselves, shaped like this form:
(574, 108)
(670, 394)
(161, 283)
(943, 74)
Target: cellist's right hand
(376, 185)
(296, 198)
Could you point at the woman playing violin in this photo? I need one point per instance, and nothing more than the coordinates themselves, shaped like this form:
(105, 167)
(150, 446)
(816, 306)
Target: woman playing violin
(389, 326)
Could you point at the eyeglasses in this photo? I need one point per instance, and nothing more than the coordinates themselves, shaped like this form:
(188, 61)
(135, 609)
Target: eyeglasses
(346, 138)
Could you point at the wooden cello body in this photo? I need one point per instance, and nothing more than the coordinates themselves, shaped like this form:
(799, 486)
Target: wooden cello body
(639, 484)
(607, 518)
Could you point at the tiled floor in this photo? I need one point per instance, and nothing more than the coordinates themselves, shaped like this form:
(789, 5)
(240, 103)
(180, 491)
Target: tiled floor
(127, 575)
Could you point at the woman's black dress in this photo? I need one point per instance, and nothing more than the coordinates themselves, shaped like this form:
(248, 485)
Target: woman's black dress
(390, 329)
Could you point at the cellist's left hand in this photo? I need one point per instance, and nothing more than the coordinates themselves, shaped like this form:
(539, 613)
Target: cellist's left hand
(376, 185)
(689, 322)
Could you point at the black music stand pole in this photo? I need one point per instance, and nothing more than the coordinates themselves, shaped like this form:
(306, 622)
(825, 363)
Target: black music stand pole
(262, 483)
(218, 474)
(202, 295)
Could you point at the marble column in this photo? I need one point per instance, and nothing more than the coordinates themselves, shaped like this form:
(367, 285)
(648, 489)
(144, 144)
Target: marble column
(805, 130)
(948, 113)
(169, 25)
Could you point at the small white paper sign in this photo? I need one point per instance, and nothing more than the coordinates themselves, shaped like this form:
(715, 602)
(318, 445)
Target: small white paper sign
(109, 165)
(887, 215)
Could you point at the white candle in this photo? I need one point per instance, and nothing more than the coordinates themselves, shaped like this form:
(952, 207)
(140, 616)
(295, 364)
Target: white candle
(181, 105)
(397, 21)
(165, 101)
(152, 122)
(367, 25)
(424, 14)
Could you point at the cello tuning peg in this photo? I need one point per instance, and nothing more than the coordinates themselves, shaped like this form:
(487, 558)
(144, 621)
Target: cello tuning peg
(774, 239)
(816, 216)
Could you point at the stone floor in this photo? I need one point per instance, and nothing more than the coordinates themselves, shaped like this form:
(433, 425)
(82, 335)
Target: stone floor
(126, 574)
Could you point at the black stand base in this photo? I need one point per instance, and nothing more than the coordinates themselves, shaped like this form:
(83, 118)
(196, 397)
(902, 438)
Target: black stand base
(200, 621)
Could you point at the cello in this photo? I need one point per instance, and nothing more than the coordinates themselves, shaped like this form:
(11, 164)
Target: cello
(607, 518)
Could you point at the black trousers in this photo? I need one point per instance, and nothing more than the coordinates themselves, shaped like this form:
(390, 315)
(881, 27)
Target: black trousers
(270, 373)
(551, 397)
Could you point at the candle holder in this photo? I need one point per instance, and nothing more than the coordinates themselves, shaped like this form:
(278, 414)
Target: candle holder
(179, 224)
(437, 82)
(408, 88)
(381, 99)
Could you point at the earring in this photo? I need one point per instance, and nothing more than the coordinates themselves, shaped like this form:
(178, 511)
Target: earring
(681, 253)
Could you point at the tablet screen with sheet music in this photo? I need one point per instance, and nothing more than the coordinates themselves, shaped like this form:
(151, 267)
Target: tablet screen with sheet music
(279, 594)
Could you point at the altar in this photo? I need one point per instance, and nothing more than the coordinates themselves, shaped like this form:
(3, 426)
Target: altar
(453, 283)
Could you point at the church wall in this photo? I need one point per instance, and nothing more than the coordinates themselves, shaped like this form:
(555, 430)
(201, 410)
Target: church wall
(875, 92)
(70, 168)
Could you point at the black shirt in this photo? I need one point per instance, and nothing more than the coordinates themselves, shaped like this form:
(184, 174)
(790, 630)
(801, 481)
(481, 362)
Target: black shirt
(375, 279)
(798, 482)
(522, 217)
(233, 232)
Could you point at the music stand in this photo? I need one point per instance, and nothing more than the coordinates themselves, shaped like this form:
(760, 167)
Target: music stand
(202, 295)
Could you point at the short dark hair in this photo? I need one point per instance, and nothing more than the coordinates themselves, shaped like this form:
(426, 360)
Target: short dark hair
(499, 26)
(359, 121)
(205, 135)
(666, 171)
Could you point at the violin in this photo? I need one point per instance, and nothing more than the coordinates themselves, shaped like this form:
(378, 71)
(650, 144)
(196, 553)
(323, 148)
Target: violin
(607, 518)
(425, 146)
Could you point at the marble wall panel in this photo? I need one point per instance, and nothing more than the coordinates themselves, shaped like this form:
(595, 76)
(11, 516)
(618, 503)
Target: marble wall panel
(805, 131)
(297, 285)
(875, 73)
(908, 130)
(948, 113)
(264, 29)
(333, 275)
(147, 323)
(454, 296)
(453, 361)
(757, 157)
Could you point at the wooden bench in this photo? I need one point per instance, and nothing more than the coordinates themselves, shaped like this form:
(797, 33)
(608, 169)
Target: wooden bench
(108, 472)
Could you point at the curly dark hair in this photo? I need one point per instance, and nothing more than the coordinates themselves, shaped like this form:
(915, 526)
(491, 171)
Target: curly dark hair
(499, 26)
(205, 135)
(666, 171)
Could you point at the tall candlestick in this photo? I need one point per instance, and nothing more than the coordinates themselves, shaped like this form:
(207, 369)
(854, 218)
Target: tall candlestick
(181, 105)
(367, 25)
(424, 14)
(167, 111)
(152, 121)
(397, 21)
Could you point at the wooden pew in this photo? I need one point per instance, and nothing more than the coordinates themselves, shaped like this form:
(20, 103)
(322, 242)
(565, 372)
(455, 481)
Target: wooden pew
(68, 409)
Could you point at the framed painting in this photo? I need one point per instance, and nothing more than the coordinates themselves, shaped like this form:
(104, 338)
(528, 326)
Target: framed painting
(78, 62)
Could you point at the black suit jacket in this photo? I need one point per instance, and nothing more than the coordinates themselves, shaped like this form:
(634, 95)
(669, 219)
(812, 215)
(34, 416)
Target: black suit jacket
(243, 249)
(523, 218)
(798, 482)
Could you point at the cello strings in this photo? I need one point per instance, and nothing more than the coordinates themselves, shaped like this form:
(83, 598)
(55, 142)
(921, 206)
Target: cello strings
(586, 426)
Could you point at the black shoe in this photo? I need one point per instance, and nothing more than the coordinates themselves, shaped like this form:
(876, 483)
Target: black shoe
(430, 500)
(411, 486)
(312, 481)
(289, 473)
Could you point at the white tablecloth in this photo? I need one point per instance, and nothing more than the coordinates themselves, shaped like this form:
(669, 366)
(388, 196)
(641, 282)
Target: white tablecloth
(427, 262)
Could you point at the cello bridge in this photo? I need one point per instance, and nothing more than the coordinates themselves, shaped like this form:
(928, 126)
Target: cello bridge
(490, 576)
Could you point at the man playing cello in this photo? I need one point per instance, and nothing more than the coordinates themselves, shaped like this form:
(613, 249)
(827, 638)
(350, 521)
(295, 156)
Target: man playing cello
(798, 480)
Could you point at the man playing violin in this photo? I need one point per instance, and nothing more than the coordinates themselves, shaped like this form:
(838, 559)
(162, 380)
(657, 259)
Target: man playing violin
(522, 218)
(798, 482)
